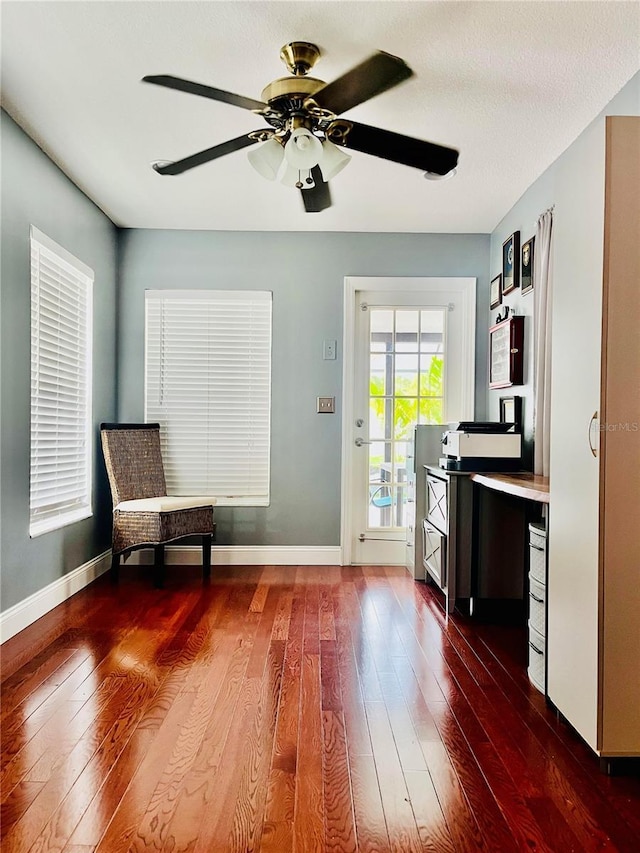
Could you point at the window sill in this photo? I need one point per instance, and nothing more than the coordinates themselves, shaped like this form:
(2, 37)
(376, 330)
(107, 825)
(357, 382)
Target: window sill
(48, 525)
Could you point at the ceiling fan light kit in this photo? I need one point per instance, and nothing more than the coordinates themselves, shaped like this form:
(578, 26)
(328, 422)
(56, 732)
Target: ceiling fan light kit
(334, 160)
(267, 159)
(305, 143)
(303, 150)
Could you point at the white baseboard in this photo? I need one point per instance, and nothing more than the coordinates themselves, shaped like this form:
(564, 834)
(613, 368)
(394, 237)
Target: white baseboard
(238, 555)
(26, 612)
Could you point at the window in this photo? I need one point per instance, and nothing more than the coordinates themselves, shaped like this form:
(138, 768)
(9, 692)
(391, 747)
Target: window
(208, 384)
(60, 470)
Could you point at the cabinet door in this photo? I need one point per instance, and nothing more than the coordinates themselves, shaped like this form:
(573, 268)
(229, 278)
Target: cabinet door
(620, 458)
(572, 633)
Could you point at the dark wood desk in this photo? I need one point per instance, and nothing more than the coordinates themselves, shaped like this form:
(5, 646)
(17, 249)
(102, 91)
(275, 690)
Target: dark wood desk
(504, 504)
(486, 552)
(520, 484)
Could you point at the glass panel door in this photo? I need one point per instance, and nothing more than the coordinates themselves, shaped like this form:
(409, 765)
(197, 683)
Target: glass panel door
(409, 360)
(406, 387)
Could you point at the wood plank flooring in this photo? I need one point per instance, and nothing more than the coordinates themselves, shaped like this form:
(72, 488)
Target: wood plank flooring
(308, 709)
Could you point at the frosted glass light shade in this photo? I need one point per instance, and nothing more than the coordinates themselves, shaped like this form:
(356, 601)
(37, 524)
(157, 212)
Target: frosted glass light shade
(334, 159)
(303, 150)
(267, 159)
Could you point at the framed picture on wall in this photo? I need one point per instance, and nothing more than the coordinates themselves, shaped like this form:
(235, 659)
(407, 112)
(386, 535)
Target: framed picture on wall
(526, 278)
(505, 352)
(511, 411)
(495, 294)
(510, 263)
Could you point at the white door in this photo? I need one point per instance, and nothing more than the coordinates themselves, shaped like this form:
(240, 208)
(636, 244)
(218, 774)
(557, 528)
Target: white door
(410, 361)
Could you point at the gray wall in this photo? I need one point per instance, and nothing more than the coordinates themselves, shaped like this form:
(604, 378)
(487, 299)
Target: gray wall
(522, 217)
(554, 187)
(306, 274)
(36, 192)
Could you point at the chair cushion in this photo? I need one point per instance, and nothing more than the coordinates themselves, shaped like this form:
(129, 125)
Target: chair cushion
(140, 528)
(168, 503)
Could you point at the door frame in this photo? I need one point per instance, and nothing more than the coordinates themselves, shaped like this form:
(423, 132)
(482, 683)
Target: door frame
(463, 286)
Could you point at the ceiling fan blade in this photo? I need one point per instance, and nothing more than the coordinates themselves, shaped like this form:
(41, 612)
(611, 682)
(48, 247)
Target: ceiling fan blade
(207, 155)
(204, 91)
(380, 72)
(427, 156)
(318, 197)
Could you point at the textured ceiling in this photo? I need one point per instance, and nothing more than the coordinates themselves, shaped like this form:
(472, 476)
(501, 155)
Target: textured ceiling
(510, 84)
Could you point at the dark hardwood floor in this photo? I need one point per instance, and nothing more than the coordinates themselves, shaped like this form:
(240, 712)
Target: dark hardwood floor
(289, 709)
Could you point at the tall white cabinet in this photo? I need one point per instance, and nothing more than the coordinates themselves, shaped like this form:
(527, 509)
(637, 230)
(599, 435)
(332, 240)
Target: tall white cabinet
(593, 633)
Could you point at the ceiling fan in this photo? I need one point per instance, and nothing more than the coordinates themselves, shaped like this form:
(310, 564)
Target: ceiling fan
(305, 142)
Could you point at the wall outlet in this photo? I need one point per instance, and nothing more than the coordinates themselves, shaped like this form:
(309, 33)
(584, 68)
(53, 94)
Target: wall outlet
(329, 350)
(326, 405)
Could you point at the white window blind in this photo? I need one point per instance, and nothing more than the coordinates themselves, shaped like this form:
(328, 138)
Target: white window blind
(208, 384)
(60, 469)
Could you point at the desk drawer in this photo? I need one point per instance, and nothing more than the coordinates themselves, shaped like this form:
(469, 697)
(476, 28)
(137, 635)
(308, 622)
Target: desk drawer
(437, 509)
(434, 553)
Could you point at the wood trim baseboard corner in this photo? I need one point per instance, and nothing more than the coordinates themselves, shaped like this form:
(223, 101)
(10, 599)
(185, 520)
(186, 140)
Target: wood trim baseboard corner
(25, 612)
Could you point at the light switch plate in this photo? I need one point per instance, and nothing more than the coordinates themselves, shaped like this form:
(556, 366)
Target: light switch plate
(326, 405)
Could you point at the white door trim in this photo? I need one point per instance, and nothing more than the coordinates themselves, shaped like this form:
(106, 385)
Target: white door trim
(352, 284)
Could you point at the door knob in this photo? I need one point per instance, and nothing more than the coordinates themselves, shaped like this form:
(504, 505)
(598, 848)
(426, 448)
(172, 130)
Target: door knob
(360, 441)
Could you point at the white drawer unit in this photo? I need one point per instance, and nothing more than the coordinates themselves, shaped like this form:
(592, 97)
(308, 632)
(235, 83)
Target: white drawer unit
(537, 605)
(537, 655)
(538, 552)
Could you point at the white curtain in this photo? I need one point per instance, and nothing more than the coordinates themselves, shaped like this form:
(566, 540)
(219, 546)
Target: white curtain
(542, 277)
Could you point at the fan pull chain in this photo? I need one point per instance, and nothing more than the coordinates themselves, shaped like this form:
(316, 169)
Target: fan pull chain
(308, 180)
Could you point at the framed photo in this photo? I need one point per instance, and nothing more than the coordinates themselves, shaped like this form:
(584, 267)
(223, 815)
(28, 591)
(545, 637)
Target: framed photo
(495, 297)
(511, 411)
(526, 277)
(510, 263)
(505, 352)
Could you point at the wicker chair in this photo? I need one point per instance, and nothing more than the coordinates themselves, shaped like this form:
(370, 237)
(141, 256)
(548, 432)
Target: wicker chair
(144, 515)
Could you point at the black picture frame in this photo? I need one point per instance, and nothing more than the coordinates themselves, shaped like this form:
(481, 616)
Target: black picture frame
(511, 411)
(526, 265)
(495, 293)
(511, 263)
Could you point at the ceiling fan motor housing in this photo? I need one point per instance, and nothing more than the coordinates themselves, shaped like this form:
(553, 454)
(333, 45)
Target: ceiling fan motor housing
(288, 91)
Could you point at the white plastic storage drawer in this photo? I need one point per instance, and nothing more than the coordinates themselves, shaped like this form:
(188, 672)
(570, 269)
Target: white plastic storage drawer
(537, 651)
(537, 596)
(538, 552)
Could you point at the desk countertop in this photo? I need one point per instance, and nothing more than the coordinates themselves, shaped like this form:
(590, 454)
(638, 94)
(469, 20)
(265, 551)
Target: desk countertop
(521, 484)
